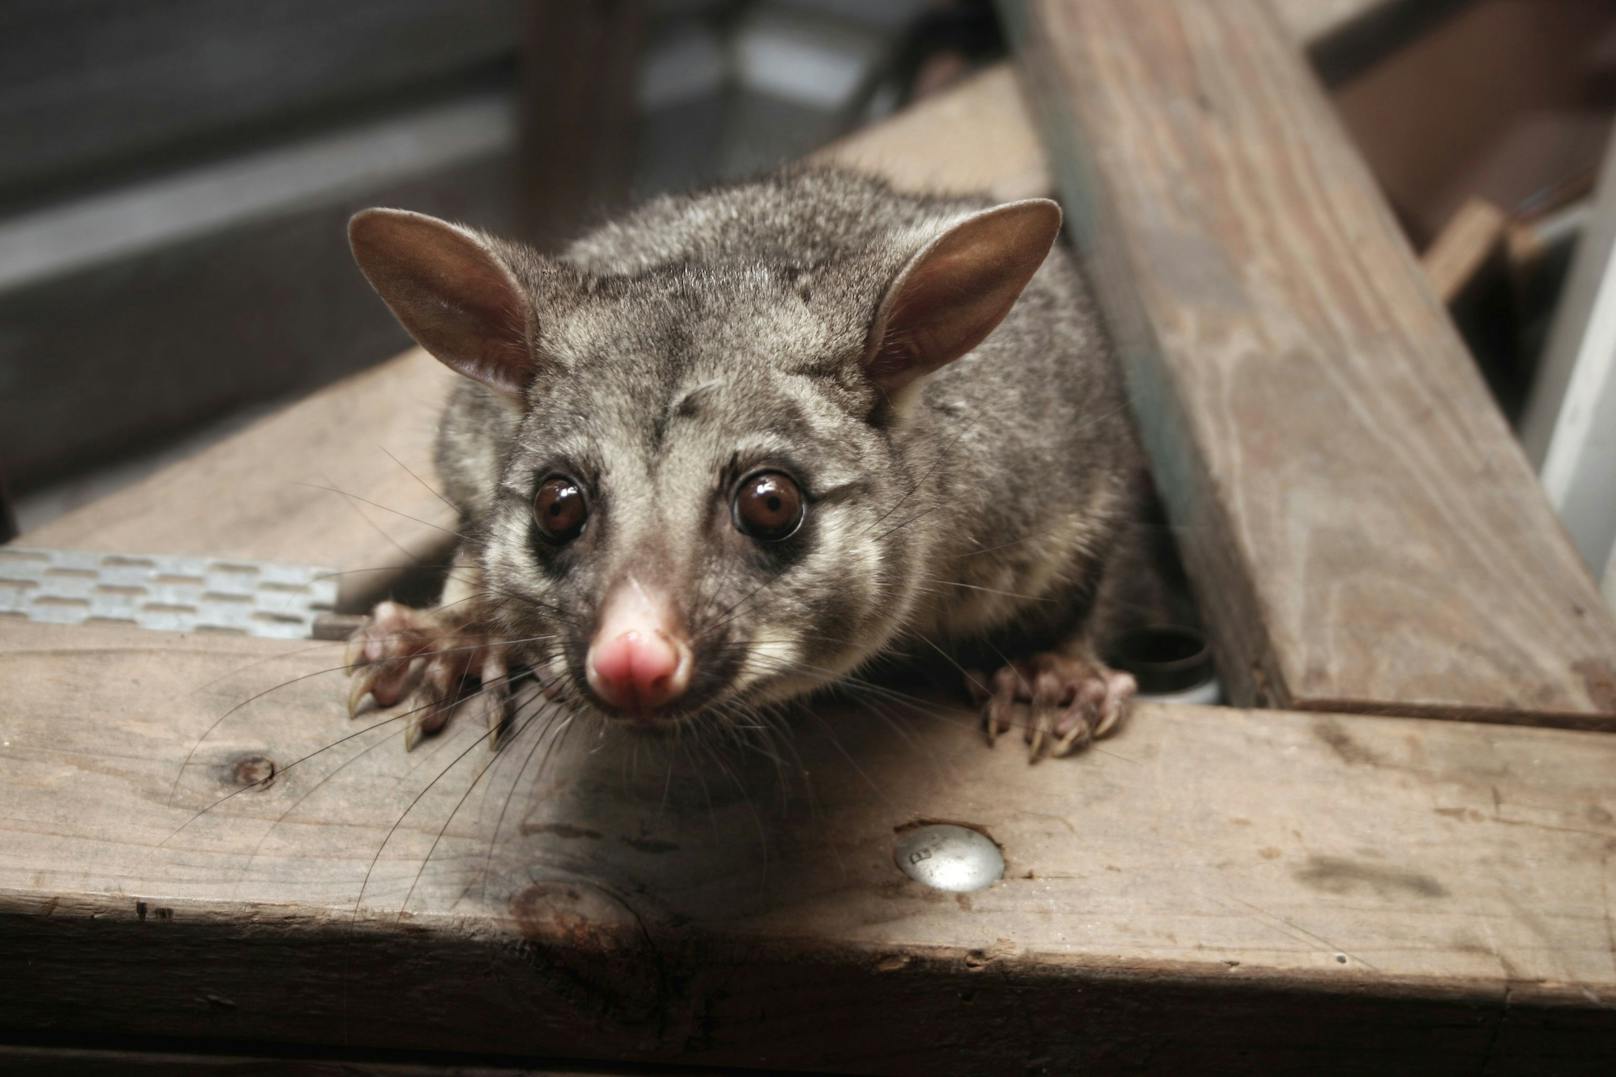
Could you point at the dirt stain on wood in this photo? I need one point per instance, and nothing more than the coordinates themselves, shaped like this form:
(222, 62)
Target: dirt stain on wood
(592, 947)
(1334, 734)
(1338, 875)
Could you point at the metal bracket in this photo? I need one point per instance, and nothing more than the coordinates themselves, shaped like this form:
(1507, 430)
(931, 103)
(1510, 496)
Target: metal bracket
(176, 594)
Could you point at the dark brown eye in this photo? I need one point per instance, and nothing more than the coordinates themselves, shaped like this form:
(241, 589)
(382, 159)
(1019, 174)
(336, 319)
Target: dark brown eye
(559, 509)
(768, 506)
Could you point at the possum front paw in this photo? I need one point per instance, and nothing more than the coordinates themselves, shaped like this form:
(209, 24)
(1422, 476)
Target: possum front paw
(1062, 702)
(435, 661)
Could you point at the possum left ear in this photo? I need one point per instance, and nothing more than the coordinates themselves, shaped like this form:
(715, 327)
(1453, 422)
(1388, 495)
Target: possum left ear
(951, 295)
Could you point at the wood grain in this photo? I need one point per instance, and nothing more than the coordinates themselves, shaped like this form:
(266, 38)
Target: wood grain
(1363, 531)
(1172, 897)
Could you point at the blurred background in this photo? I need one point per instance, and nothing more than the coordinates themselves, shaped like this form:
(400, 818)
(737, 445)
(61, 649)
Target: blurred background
(175, 174)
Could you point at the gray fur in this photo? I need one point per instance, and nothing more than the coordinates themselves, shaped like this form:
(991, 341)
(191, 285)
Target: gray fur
(703, 335)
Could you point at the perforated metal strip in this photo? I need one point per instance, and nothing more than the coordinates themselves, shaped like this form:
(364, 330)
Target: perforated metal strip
(178, 594)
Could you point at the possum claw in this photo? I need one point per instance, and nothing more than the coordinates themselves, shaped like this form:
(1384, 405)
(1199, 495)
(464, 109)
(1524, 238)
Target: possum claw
(427, 719)
(358, 691)
(1067, 702)
(491, 702)
(421, 654)
(999, 709)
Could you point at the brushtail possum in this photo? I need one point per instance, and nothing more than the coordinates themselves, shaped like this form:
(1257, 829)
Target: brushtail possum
(729, 448)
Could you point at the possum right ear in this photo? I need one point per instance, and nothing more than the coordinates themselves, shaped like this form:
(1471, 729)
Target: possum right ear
(453, 292)
(958, 287)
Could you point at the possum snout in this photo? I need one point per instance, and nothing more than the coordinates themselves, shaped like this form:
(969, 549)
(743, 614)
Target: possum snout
(640, 658)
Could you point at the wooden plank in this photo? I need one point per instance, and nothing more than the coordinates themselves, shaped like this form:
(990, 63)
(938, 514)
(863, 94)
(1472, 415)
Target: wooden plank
(1471, 240)
(1363, 531)
(339, 480)
(1192, 892)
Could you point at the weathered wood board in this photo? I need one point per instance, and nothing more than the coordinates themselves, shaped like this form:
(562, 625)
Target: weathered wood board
(343, 479)
(1363, 530)
(1211, 886)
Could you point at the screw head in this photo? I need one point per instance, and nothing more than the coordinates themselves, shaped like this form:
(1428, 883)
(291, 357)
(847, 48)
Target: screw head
(949, 857)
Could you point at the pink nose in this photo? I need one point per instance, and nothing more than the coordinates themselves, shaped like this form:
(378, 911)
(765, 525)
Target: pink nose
(639, 670)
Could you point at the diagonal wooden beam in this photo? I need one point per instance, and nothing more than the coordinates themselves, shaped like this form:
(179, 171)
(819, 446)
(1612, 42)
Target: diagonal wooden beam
(1363, 530)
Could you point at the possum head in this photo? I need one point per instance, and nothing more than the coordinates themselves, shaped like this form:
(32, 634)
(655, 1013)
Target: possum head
(705, 493)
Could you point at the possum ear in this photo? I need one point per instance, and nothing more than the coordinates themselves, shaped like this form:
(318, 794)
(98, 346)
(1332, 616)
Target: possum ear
(952, 294)
(452, 291)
